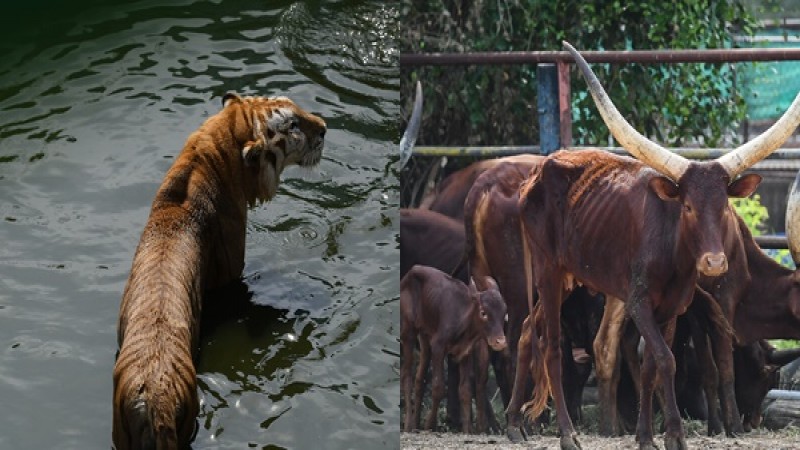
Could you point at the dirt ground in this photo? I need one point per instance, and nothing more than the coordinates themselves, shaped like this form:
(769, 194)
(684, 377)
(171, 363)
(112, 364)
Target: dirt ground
(785, 439)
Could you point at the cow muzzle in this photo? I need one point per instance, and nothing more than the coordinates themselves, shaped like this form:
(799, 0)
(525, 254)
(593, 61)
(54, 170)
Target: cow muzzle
(712, 264)
(497, 343)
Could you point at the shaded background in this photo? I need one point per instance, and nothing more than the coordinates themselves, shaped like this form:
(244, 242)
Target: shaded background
(96, 100)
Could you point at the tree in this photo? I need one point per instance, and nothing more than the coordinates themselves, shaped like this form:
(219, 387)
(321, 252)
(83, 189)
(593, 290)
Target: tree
(675, 104)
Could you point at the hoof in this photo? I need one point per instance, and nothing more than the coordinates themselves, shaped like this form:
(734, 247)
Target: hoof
(673, 443)
(647, 446)
(714, 428)
(607, 430)
(735, 431)
(570, 443)
(515, 434)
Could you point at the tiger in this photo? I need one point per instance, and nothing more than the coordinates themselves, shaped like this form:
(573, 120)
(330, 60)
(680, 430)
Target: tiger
(193, 241)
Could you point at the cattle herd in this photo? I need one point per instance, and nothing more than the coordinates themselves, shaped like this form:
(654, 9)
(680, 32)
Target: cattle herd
(545, 268)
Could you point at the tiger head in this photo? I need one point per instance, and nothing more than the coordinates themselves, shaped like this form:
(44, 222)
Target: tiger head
(280, 134)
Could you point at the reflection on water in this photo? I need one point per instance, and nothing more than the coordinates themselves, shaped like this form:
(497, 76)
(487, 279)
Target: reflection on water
(96, 99)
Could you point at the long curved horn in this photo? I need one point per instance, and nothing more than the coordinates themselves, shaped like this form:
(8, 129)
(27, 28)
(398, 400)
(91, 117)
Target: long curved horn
(793, 220)
(647, 151)
(741, 158)
(410, 135)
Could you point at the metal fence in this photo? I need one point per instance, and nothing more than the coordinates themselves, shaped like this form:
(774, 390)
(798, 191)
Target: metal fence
(555, 115)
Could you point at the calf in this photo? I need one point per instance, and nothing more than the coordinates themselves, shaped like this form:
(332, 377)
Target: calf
(446, 317)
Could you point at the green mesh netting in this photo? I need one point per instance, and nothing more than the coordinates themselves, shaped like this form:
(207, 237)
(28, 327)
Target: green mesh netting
(770, 87)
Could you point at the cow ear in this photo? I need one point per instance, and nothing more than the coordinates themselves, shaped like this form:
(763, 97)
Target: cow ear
(744, 186)
(664, 188)
(230, 97)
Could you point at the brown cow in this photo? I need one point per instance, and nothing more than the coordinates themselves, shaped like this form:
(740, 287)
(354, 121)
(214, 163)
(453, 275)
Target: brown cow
(581, 315)
(694, 362)
(450, 194)
(756, 372)
(494, 248)
(431, 239)
(623, 229)
(770, 309)
(757, 365)
(447, 317)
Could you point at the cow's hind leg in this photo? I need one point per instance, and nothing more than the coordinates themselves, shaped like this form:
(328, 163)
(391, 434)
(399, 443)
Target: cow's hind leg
(406, 372)
(419, 381)
(437, 385)
(607, 364)
(550, 296)
(513, 411)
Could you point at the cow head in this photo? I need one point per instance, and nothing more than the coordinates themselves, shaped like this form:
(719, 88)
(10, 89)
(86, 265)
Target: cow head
(757, 368)
(492, 312)
(701, 188)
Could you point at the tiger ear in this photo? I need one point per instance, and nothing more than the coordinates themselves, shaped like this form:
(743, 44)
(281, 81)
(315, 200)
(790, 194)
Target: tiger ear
(251, 152)
(230, 97)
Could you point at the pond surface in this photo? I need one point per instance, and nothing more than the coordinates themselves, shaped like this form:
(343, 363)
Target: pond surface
(96, 101)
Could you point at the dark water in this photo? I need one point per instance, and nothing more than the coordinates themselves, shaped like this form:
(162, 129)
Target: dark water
(96, 100)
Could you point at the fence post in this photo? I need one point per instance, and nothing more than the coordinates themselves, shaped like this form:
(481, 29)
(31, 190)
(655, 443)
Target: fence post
(564, 104)
(549, 130)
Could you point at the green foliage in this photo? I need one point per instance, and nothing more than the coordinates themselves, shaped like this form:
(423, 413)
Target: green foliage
(675, 104)
(784, 344)
(753, 213)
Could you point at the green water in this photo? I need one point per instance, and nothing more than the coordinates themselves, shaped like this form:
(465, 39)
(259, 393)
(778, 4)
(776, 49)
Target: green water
(96, 99)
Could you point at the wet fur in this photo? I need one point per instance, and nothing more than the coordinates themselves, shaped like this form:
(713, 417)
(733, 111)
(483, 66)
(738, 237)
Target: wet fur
(194, 241)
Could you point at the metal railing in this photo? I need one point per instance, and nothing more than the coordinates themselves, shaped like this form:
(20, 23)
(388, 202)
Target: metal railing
(554, 103)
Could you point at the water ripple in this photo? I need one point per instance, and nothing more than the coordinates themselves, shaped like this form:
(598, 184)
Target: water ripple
(96, 101)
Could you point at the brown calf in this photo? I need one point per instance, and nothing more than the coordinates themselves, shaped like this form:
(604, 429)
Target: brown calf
(446, 317)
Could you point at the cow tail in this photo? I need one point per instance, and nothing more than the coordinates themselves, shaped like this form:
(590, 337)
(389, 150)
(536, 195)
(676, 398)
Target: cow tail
(470, 215)
(464, 261)
(715, 314)
(534, 408)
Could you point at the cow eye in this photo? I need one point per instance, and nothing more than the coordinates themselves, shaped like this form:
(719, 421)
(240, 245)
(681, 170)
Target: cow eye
(687, 207)
(484, 316)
